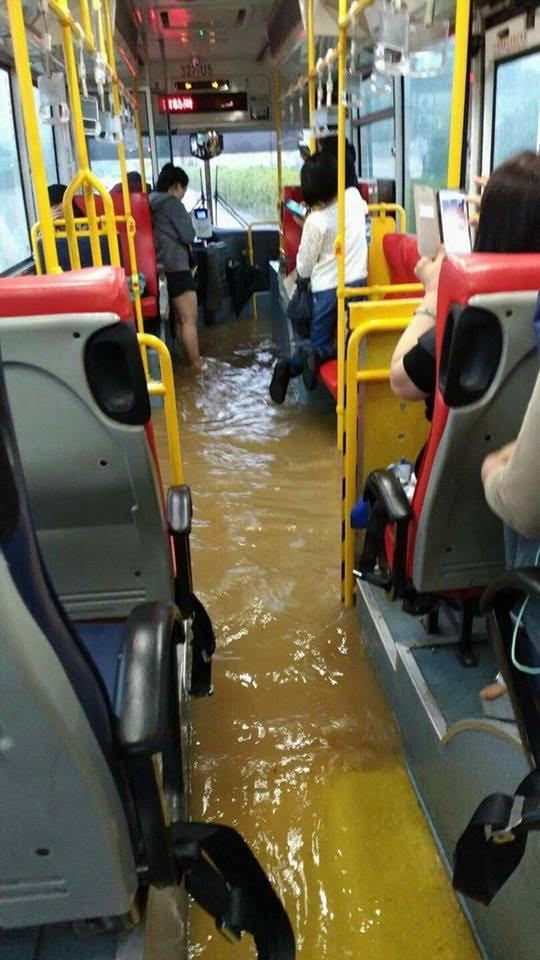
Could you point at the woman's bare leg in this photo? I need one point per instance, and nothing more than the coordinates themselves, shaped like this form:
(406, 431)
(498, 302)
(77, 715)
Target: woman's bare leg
(185, 317)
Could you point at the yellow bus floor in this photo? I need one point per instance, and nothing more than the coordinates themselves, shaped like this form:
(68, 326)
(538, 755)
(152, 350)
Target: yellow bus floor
(297, 748)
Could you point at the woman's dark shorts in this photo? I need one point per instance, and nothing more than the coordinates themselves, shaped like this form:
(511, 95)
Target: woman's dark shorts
(179, 282)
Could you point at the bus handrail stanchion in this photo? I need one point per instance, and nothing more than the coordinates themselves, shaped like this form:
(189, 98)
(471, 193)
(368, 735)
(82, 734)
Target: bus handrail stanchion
(165, 388)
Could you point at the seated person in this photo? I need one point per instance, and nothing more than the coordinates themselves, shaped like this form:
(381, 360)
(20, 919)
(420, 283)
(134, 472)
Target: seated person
(316, 261)
(509, 222)
(134, 180)
(56, 200)
(330, 145)
(509, 476)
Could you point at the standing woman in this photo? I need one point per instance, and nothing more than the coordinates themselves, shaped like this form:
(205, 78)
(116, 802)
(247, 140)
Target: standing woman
(174, 233)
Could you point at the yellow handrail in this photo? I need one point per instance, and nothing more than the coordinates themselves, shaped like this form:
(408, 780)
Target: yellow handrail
(251, 254)
(346, 16)
(384, 208)
(279, 159)
(91, 185)
(459, 88)
(380, 291)
(350, 437)
(310, 25)
(165, 388)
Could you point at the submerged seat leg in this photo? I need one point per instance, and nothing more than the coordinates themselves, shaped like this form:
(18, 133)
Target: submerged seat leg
(465, 651)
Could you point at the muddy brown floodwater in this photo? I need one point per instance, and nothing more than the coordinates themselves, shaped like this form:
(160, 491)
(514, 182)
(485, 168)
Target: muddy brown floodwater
(297, 748)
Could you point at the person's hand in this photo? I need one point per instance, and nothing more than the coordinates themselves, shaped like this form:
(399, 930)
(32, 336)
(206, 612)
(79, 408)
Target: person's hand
(497, 459)
(428, 271)
(299, 220)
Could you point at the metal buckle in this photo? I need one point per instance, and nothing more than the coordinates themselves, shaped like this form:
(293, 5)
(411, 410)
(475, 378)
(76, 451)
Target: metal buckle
(230, 935)
(506, 834)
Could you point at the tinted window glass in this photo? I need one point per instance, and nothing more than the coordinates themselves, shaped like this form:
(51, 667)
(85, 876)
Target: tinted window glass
(517, 107)
(427, 130)
(14, 236)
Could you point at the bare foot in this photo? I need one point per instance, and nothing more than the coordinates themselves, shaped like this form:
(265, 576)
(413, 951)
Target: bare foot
(493, 691)
(200, 366)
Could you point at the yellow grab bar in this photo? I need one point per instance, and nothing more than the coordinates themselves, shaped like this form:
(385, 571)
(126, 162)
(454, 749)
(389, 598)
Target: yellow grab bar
(383, 208)
(165, 388)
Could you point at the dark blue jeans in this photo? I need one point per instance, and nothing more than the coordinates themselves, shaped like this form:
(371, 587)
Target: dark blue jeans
(323, 326)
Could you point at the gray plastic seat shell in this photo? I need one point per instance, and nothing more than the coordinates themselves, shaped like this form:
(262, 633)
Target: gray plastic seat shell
(459, 542)
(91, 481)
(65, 850)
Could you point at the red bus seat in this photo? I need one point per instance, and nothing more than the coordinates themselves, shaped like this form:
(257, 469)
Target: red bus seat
(145, 249)
(487, 366)
(292, 233)
(401, 255)
(328, 375)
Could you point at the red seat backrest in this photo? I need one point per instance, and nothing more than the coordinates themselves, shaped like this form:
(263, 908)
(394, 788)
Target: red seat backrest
(93, 290)
(145, 249)
(364, 190)
(461, 279)
(401, 255)
(292, 233)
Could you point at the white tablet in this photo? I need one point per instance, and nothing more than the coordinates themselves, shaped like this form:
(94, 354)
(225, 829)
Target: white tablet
(427, 220)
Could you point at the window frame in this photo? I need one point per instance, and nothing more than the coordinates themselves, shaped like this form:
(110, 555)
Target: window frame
(20, 265)
(387, 113)
(530, 51)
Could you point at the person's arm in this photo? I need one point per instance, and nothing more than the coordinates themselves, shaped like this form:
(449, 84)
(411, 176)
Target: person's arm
(402, 384)
(510, 475)
(182, 221)
(310, 249)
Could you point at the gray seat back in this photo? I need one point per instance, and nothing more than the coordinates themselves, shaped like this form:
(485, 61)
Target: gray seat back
(459, 541)
(91, 478)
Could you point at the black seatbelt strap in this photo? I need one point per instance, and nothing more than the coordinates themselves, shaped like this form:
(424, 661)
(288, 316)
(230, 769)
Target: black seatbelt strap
(225, 878)
(493, 844)
(204, 645)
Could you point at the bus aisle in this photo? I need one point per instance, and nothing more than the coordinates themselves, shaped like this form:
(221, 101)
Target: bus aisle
(297, 748)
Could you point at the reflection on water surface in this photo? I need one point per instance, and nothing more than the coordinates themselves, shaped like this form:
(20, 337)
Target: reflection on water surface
(297, 748)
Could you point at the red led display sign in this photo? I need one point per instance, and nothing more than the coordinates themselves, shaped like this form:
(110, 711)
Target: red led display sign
(179, 103)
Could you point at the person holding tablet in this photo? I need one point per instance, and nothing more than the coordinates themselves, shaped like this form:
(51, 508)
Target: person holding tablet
(509, 222)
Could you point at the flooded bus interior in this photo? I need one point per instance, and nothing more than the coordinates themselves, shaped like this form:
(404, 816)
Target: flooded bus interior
(269, 526)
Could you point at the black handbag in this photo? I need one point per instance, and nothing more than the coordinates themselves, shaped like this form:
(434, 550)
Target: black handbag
(300, 308)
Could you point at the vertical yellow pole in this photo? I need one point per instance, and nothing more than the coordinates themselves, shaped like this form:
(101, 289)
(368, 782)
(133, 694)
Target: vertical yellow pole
(140, 146)
(459, 87)
(130, 223)
(86, 21)
(80, 147)
(33, 140)
(279, 159)
(311, 67)
(340, 240)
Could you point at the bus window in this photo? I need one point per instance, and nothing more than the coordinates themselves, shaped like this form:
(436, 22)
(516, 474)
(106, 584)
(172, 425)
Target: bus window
(377, 130)
(377, 149)
(517, 107)
(104, 160)
(427, 128)
(14, 236)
